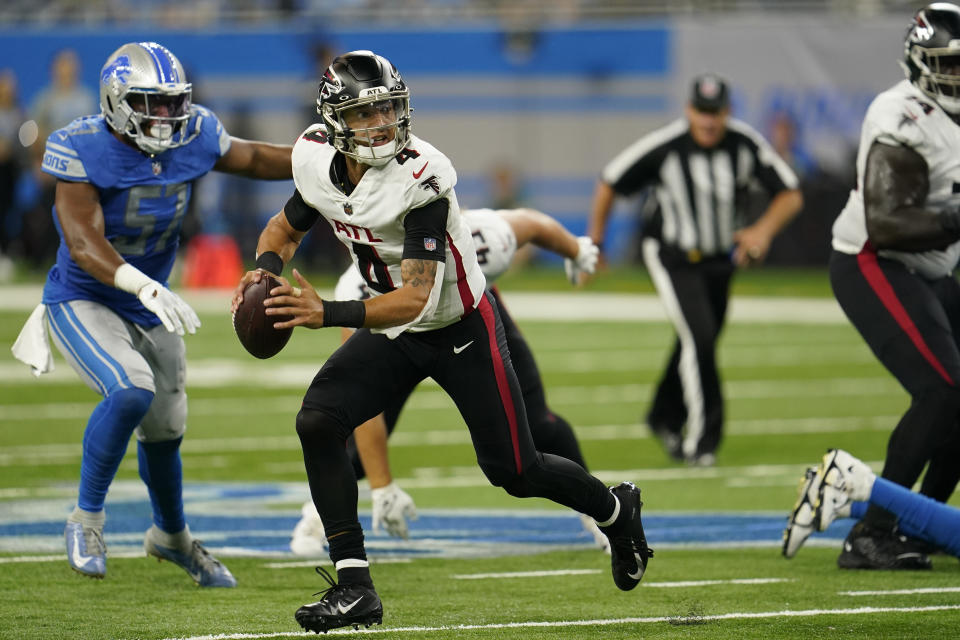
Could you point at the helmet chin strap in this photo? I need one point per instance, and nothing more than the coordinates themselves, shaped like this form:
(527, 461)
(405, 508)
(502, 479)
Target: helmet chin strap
(367, 155)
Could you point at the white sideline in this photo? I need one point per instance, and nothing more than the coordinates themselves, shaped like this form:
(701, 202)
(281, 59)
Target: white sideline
(745, 615)
(555, 307)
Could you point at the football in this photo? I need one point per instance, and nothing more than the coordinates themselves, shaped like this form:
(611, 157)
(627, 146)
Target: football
(254, 327)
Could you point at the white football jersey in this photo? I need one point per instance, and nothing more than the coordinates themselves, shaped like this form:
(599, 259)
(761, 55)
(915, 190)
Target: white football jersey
(903, 115)
(495, 242)
(369, 222)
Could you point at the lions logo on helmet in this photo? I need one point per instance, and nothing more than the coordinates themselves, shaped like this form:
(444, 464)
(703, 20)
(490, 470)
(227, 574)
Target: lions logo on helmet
(361, 82)
(145, 96)
(932, 54)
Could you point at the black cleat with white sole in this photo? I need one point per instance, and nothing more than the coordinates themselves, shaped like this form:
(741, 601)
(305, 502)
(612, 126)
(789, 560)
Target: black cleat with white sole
(628, 544)
(341, 605)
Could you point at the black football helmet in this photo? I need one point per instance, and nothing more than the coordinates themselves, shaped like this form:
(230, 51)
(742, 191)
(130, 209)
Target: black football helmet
(358, 79)
(931, 54)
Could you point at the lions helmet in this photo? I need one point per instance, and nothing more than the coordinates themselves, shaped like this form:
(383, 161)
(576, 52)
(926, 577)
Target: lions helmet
(363, 88)
(932, 54)
(144, 95)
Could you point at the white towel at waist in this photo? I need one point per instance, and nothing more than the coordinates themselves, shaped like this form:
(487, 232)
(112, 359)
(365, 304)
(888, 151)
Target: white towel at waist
(33, 344)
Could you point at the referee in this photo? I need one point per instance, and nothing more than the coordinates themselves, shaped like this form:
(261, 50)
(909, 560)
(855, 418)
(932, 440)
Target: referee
(700, 169)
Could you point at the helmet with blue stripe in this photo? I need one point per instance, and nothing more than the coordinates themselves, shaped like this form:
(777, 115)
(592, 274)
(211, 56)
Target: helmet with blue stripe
(145, 96)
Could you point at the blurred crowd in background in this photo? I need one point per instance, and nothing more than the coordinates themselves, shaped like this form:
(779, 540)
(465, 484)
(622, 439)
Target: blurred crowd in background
(193, 13)
(28, 238)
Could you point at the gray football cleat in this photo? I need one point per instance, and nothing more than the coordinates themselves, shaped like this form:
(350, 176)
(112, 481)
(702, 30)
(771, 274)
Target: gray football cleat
(205, 570)
(86, 550)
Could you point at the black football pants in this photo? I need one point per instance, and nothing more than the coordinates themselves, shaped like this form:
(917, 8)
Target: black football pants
(551, 433)
(471, 362)
(911, 324)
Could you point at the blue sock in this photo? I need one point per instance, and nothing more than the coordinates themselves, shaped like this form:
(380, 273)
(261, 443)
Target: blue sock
(858, 510)
(105, 442)
(162, 472)
(920, 516)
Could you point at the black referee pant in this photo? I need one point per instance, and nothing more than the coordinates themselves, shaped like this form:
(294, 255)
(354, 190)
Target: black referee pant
(911, 324)
(695, 296)
(471, 362)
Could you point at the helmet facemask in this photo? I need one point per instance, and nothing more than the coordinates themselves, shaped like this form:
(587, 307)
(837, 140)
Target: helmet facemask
(939, 75)
(371, 129)
(157, 120)
(145, 97)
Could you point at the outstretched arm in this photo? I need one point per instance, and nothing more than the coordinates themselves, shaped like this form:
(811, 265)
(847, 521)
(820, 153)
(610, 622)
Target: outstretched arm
(532, 226)
(255, 159)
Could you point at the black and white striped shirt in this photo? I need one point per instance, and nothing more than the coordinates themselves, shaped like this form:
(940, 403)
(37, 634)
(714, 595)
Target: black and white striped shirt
(700, 192)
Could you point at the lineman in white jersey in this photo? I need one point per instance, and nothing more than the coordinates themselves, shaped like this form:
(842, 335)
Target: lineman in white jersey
(497, 235)
(895, 246)
(389, 197)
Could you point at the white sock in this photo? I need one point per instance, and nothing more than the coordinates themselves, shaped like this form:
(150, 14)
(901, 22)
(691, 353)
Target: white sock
(94, 519)
(180, 540)
(613, 518)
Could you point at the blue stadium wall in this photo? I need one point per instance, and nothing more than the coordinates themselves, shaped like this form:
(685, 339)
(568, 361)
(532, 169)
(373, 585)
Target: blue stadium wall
(552, 109)
(552, 105)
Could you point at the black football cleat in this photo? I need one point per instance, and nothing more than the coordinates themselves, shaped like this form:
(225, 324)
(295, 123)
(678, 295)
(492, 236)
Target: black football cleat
(870, 548)
(341, 605)
(628, 545)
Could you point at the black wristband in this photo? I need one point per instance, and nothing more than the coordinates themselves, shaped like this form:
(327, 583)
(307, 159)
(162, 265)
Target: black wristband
(950, 220)
(349, 313)
(270, 261)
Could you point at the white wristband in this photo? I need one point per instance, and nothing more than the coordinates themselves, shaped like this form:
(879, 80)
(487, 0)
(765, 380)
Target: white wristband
(130, 279)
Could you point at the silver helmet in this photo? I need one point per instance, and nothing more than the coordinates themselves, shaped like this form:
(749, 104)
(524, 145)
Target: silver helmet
(144, 95)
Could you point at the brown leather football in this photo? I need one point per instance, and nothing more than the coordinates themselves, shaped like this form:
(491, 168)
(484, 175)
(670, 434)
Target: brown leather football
(254, 327)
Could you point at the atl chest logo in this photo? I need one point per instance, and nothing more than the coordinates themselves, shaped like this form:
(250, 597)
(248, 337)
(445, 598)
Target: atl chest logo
(355, 232)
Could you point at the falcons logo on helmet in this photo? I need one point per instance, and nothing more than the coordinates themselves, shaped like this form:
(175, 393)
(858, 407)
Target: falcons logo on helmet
(332, 84)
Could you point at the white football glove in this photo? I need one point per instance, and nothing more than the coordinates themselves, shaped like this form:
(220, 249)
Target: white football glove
(175, 314)
(391, 508)
(308, 537)
(585, 262)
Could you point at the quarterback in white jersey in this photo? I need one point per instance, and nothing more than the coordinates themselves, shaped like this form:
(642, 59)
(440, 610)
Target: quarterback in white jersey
(497, 234)
(389, 197)
(895, 247)
(366, 222)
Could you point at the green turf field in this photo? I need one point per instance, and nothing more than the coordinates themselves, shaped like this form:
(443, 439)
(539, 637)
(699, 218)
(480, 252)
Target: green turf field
(793, 390)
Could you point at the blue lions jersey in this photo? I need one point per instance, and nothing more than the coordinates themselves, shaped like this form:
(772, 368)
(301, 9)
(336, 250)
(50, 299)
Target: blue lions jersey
(143, 201)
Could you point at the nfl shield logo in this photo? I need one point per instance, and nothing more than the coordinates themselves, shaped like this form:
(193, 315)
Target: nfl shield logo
(348, 208)
(157, 168)
(430, 244)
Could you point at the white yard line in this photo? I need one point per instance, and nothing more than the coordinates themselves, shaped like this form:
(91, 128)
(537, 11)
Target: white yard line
(603, 622)
(524, 574)
(901, 592)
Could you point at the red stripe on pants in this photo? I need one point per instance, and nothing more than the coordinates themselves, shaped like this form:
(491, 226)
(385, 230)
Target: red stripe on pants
(500, 373)
(867, 260)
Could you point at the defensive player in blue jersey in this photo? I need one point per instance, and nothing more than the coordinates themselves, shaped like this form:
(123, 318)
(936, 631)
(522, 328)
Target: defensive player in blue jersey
(123, 183)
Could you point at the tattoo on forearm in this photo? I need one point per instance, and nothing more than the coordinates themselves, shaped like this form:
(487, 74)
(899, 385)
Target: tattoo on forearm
(418, 273)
